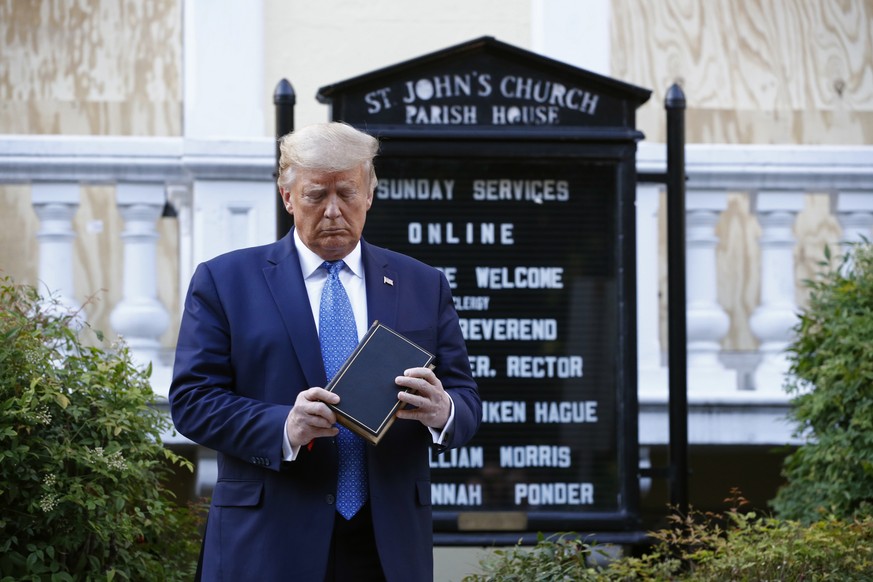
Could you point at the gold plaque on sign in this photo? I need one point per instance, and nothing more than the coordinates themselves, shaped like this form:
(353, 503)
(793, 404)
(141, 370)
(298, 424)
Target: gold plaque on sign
(492, 521)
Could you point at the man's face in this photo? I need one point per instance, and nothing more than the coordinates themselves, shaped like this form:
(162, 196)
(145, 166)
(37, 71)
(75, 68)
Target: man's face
(330, 209)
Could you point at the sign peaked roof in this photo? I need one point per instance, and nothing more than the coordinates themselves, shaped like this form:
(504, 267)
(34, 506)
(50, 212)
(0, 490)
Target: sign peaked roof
(483, 83)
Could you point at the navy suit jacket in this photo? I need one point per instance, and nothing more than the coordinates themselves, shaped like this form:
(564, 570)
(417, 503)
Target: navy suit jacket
(247, 346)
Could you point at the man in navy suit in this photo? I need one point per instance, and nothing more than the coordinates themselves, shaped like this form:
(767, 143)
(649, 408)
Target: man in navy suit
(249, 374)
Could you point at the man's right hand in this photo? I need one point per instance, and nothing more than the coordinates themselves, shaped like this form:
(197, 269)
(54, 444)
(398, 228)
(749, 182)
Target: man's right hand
(311, 418)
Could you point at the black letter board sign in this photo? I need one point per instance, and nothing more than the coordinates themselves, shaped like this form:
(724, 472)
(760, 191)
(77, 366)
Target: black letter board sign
(515, 175)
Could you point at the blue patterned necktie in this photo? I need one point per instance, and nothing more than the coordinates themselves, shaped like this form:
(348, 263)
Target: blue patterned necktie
(339, 337)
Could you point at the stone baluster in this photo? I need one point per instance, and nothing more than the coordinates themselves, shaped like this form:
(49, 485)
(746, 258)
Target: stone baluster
(55, 204)
(855, 213)
(776, 315)
(140, 317)
(182, 199)
(652, 372)
(708, 323)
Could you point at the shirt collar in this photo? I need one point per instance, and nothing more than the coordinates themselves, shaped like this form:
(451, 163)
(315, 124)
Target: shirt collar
(310, 262)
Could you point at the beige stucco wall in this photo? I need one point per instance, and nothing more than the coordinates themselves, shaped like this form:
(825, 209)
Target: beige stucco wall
(313, 44)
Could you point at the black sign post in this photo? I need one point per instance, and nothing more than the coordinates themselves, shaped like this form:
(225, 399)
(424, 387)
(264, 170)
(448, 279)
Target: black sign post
(284, 100)
(677, 309)
(515, 174)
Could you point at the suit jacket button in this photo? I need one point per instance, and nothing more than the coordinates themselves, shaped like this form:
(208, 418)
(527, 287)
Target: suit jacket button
(329, 499)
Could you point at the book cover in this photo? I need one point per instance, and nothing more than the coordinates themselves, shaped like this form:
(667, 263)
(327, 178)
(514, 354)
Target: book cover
(366, 385)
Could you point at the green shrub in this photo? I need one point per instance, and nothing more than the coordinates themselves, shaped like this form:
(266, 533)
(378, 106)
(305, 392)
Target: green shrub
(737, 546)
(767, 548)
(82, 467)
(560, 557)
(831, 377)
(745, 546)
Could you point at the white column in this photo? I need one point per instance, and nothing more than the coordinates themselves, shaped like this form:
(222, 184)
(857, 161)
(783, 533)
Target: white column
(224, 69)
(652, 373)
(231, 215)
(573, 32)
(181, 197)
(140, 317)
(772, 321)
(55, 204)
(855, 213)
(708, 323)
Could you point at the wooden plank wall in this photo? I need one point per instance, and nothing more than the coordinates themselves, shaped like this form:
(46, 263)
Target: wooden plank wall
(753, 71)
(91, 67)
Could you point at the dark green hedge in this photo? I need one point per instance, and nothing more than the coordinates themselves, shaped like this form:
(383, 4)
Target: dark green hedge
(82, 467)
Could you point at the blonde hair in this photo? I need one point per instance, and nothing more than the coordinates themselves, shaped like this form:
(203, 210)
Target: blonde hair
(325, 147)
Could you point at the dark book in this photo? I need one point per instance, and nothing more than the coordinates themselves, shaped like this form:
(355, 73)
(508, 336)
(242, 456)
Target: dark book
(365, 383)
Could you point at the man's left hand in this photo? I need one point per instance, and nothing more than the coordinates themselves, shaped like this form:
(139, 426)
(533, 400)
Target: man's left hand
(427, 395)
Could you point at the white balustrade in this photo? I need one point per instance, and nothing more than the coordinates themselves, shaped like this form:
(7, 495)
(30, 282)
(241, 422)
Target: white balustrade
(55, 204)
(140, 317)
(776, 314)
(224, 196)
(230, 215)
(652, 373)
(181, 197)
(707, 322)
(855, 213)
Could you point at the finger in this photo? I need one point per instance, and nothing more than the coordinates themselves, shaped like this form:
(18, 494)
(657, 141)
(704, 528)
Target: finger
(411, 399)
(419, 385)
(317, 394)
(303, 429)
(323, 416)
(423, 373)
(316, 422)
(324, 432)
(312, 413)
(412, 411)
(430, 417)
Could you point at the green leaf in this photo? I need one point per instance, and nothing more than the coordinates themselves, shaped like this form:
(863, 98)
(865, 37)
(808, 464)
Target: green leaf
(831, 378)
(62, 400)
(82, 472)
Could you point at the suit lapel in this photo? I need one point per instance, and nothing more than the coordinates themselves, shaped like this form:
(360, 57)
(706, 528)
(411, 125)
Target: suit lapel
(286, 285)
(285, 281)
(382, 286)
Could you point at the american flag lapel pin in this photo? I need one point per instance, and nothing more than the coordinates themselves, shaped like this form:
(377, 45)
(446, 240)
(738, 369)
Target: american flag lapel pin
(388, 281)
